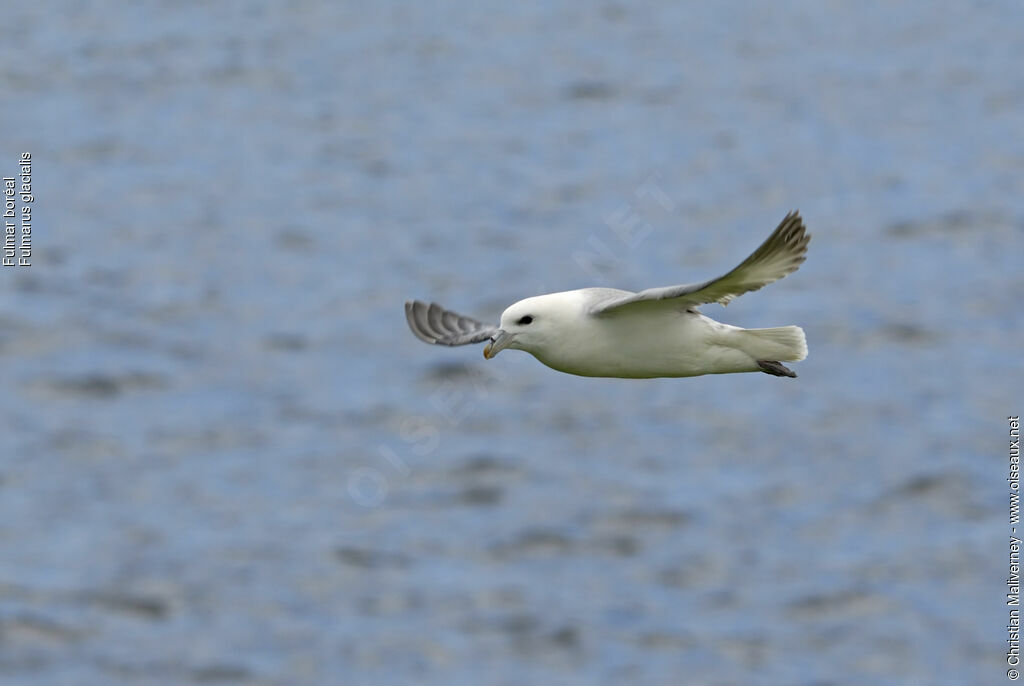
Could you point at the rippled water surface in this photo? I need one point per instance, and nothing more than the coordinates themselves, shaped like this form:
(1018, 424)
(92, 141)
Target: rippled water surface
(225, 459)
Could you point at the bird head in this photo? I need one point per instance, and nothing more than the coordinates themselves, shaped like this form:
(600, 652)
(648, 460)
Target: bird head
(527, 325)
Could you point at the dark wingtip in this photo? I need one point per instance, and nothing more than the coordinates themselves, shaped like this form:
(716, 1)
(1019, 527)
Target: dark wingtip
(414, 312)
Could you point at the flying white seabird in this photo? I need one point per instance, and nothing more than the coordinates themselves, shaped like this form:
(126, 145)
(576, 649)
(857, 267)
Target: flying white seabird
(656, 332)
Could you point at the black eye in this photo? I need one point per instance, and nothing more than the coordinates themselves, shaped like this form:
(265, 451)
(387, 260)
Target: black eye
(525, 320)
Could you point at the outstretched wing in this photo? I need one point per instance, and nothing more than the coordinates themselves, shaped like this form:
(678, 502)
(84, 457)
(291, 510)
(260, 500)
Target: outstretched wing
(434, 324)
(781, 254)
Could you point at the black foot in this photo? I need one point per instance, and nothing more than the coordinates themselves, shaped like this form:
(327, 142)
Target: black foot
(775, 368)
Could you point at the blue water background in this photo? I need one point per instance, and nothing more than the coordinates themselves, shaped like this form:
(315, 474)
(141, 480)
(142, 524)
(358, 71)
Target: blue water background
(224, 459)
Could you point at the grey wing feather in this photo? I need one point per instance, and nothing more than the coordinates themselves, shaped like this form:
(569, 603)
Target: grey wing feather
(434, 324)
(781, 254)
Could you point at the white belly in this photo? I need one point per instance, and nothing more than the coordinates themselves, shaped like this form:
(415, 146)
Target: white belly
(645, 343)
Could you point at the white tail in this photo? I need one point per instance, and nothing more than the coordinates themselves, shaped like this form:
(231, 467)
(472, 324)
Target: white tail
(781, 344)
